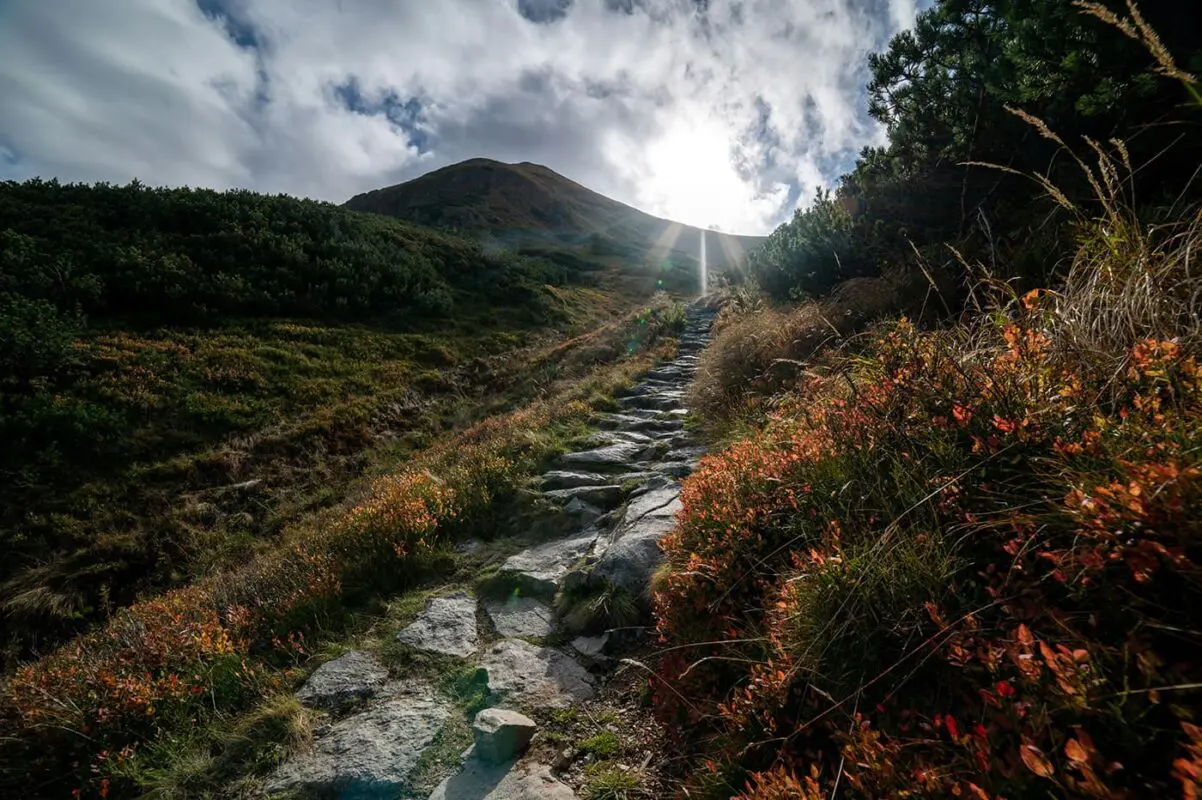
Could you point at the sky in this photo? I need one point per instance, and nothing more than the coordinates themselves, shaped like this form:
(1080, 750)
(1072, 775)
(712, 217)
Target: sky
(715, 113)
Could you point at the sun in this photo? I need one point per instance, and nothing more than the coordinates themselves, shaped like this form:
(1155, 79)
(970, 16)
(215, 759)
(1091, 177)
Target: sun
(692, 179)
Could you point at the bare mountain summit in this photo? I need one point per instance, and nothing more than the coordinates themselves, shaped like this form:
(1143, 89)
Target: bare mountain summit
(530, 205)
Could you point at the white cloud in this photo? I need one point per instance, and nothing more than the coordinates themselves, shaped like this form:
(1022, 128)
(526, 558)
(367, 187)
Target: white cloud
(711, 118)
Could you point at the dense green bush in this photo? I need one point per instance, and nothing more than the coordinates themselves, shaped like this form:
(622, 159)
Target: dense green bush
(943, 92)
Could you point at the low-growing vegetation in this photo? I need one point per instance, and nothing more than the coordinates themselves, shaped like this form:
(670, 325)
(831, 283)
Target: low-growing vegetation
(960, 561)
(79, 715)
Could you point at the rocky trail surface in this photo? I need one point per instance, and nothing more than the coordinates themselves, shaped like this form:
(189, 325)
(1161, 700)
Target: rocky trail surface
(616, 500)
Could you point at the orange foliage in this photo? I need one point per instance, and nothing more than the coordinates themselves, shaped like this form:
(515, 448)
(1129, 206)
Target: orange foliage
(1061, 654)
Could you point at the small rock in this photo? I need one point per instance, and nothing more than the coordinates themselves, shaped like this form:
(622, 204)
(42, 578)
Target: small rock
(522, 617)
(576, 507)
(525, 673)
(353, 676)
(591, 646)
(617, 437)
(447, 626)
(502, 735)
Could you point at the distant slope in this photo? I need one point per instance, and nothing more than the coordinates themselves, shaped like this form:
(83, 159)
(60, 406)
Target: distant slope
(524, 204)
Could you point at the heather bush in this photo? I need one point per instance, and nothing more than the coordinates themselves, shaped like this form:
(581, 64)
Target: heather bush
(960, 562)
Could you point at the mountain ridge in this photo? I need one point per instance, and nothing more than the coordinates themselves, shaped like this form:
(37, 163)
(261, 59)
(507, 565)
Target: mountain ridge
(525, 204)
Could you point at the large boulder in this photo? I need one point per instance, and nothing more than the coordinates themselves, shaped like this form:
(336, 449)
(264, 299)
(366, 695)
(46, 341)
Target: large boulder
(368, 755)
(502, 735)
(536, 676)
(446, 626)
(352, 677)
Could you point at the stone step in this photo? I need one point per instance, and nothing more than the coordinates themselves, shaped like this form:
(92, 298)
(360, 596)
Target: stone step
(602, 497)
(614, 455)
(542, 568)
(568, 479)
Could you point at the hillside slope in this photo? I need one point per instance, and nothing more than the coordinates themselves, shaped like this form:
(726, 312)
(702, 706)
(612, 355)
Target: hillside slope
(184, 372)
(527, 204)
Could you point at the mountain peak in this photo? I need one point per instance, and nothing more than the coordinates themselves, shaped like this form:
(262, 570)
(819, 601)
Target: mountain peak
(531, 203)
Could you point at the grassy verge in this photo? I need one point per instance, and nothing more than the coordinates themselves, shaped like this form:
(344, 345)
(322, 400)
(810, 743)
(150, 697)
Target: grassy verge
(164, 665)
(961, 562)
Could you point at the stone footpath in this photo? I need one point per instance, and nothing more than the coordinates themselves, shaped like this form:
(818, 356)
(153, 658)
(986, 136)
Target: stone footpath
(622, 496)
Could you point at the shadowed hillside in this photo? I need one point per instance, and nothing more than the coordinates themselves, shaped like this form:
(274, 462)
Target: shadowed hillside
(527, 204)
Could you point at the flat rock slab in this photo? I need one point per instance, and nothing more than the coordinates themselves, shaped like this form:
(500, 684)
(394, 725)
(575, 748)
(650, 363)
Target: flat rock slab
(613, 455)
(663, 501)
(631, 554)
(543, 566)
(596, 496)
(483, 781)
(521, 616)
(368, 755)
(349, 678)
(629, 422)
(537, 676)
(692, 453)
(567, 479)
(446, 626)
(617, 437)
(630, 561)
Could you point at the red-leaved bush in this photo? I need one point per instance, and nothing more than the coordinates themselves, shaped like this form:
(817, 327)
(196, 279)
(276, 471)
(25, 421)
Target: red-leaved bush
(958, 563)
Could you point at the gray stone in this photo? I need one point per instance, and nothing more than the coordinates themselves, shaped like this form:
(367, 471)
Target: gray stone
(596, 496)
(686, 453)
(628, 422)
(661, 502)
(565, 479)
(636, 477)
(617, 437)
(674, 469)
(367, 755)
(538, 676)
(543, 566)
(591, 646)
(631, 554)
(483, 781)
(502, 735)
(447, 626)
(521, 616)
(613, 455)
(658, 401)
(585, 512)
(631, 559)
(353, 676)
(653, 482)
